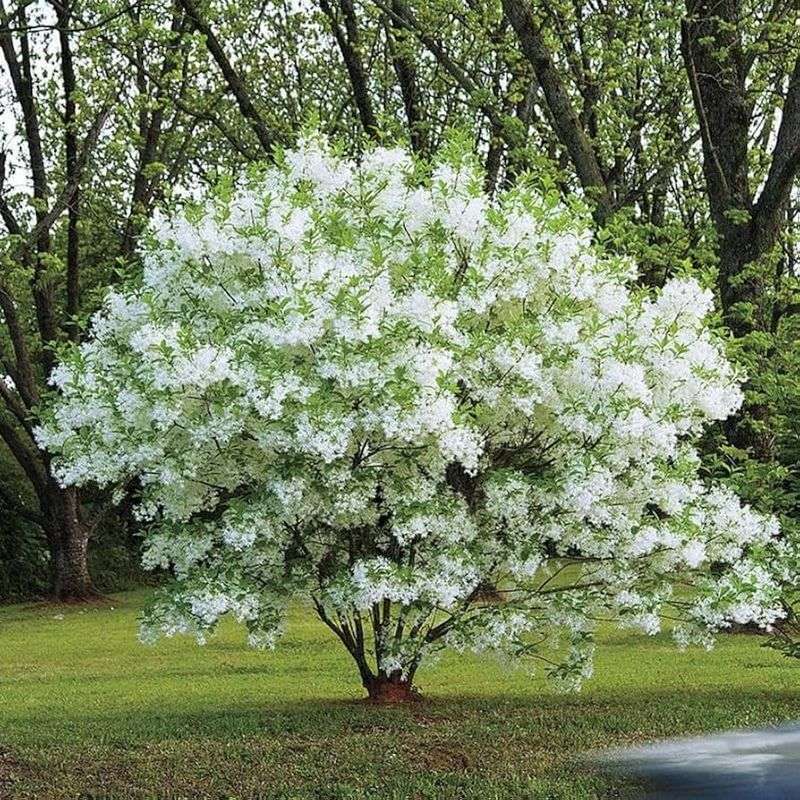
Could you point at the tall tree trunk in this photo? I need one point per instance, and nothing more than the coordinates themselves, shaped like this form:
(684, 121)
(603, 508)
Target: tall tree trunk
(747, 227)
(406, 72)
(69, 542)
(566, 120)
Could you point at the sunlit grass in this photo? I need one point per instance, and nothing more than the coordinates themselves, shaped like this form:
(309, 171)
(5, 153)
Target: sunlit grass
(87, 711)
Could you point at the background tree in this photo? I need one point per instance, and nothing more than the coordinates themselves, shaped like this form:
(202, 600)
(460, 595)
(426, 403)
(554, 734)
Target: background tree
(91, 145)
(743, 66)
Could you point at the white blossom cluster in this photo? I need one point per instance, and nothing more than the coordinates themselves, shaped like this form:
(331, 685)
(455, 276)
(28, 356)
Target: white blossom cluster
(367, 383)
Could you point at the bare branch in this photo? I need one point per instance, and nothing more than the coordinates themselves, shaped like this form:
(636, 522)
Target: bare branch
(67, 193)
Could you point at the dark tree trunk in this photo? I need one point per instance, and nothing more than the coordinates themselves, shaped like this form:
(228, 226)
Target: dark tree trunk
(348, 40)
(69, 542)
(406, 72)
(233, 79)
(717, 65)
(566, 121)
(71, 579)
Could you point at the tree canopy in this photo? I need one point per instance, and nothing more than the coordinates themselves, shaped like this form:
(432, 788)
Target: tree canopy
(370, 383)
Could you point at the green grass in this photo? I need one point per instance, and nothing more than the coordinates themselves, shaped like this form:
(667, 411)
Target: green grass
(88, 712)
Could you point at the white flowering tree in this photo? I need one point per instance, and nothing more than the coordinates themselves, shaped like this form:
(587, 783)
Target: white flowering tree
(368, 385)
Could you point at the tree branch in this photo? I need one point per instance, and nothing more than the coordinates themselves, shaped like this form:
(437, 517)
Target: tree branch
(565, 118)
(231, 76)
(17, 408)
(400, 13)
(10, 220)
(63, 12)
(348, 41)
(26, 383)
(152, 135)
(21, 80)
(406, 72)
(26, 458)
(18, 507)
(67, 193)
(786, 155)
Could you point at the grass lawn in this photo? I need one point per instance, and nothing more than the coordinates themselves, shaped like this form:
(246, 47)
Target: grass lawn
(88, 712)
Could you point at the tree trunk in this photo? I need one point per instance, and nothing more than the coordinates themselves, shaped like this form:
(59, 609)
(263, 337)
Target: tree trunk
(747, 229)
(383, 688)
(745, 296)
(566, 121)
(390, 689)
(69, 543)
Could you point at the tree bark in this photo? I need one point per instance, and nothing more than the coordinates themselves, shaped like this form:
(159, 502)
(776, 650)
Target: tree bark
(68, 536)
(406, 72)
(382, 688)
(349, 47)
(233, 79)
(566, 121)
(747, 228)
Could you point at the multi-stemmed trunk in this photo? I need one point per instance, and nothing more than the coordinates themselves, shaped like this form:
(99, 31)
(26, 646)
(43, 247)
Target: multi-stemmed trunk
(382, 686)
